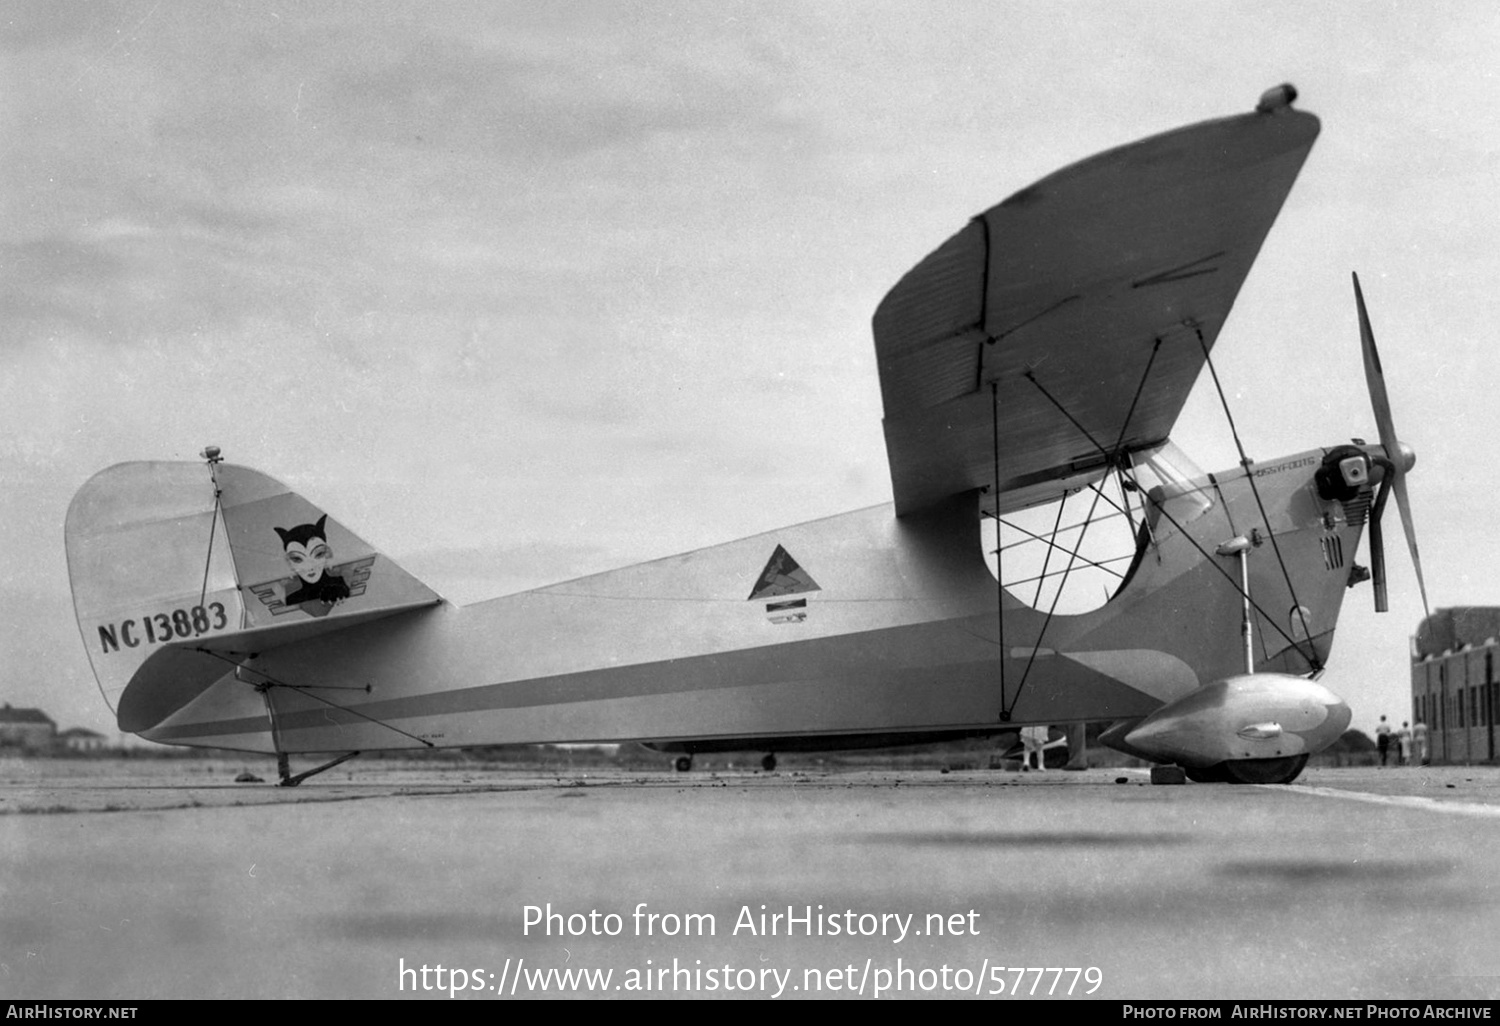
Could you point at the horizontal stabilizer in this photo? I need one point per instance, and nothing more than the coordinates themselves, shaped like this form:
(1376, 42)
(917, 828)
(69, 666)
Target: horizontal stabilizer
(176, 674)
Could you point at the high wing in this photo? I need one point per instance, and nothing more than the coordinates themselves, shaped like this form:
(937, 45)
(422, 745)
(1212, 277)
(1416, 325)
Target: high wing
(1064, 323)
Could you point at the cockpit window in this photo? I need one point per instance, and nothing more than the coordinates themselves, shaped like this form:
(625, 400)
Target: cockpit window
(1174, 487)
(1077, 552)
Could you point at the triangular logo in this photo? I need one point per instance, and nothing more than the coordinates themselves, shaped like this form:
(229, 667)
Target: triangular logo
(782, 576)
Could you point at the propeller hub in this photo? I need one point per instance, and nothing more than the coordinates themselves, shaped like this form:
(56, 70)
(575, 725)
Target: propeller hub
(1405, 457)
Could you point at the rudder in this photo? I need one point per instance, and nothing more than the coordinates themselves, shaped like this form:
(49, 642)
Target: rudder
(164, 554)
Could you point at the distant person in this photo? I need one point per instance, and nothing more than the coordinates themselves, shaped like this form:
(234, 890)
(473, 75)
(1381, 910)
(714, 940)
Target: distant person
(1403, 743)
(1419, 741)
(1033, 739)
(1383, 739)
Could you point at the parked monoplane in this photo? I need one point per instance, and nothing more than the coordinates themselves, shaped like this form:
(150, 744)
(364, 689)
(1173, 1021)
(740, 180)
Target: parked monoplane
(1050, 556)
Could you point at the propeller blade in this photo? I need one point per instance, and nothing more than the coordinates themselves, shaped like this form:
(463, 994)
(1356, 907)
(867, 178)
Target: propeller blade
(1375, 380)
(1398, 458)
(1411, 539)
(1377, 550)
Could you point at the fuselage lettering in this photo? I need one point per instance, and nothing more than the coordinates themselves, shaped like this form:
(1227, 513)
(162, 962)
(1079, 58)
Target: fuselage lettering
(1289, 465)
(163, 627)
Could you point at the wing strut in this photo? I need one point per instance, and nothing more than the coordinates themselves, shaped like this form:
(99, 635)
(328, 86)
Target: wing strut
(1047, 555)
(1247, 463)
(1114, 458)
(1181, 530)
(999, 575)
(1057, 595)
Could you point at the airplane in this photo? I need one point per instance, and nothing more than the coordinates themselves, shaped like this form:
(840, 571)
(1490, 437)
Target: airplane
(1032, 366)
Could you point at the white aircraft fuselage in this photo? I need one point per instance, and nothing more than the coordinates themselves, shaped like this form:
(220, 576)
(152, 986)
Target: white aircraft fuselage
(898, 634)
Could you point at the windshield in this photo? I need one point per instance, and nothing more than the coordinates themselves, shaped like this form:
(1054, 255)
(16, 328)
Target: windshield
(1172, 483)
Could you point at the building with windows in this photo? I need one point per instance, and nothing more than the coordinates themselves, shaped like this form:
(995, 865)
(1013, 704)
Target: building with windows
(1454, 688)
(82, 740)
(29, 730)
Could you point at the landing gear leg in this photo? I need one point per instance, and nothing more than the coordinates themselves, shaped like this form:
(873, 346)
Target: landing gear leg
(283, 761)
(284, 767)
(1078, 756)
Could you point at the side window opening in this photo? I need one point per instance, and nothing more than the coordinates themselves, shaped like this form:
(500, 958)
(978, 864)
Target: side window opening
(1075, 553)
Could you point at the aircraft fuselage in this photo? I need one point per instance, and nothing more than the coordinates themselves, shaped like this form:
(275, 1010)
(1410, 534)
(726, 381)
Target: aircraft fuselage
(868, 624)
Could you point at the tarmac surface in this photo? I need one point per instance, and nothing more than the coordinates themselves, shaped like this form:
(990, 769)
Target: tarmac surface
(142, 879)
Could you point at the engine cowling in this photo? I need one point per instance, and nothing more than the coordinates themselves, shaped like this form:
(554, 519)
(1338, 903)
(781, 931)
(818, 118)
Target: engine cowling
(1264, 723)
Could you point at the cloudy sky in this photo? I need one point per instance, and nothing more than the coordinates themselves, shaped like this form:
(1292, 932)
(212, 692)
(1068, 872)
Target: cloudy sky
(522, 291)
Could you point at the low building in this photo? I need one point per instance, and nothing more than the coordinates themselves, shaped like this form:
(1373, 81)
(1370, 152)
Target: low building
(82, 740)
(29, 730)
(1454, 689)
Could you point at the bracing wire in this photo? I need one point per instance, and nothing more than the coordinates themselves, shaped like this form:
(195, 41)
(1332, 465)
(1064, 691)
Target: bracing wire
(213, 529)
(307, 689)
(1164, 512)
(1246, 463)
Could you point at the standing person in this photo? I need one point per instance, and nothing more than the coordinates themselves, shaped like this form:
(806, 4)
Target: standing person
(1403, 743)
(1034, 739)
(1383, 739)
(1419, 739)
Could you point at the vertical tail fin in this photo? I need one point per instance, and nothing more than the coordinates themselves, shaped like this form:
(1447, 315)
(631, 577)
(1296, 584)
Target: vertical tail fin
(168, 553)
